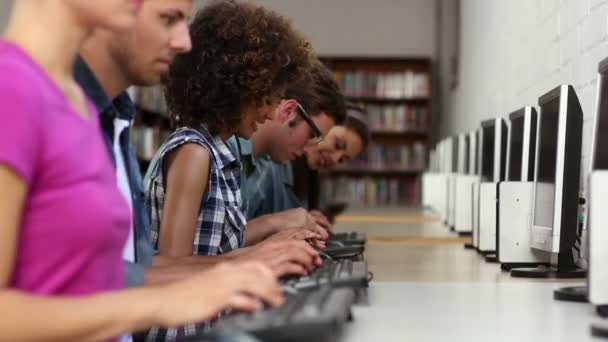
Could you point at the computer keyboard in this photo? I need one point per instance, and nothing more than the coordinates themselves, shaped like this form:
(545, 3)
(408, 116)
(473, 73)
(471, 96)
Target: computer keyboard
(349, 238)
(305, 316)
(340, 251)
(337, 273)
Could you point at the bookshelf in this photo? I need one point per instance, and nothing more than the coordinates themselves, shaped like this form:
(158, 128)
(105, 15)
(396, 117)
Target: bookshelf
(152, 124)
(397, 96)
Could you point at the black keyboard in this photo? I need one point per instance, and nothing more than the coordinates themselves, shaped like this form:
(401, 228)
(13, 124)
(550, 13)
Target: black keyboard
(337, 273)
(340, 251)
(305, 316)
(352, 238)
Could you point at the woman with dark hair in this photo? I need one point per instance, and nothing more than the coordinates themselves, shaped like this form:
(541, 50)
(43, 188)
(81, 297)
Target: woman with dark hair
(242, 59)
(342, 143)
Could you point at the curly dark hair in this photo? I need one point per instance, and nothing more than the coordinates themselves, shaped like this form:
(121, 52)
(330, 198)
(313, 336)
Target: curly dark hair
(242, 55)
(319, 92)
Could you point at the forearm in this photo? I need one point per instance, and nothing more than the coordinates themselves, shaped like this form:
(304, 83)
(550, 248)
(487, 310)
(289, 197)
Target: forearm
(190, 260)
(160, 275)
(260, 228)
(89, 318)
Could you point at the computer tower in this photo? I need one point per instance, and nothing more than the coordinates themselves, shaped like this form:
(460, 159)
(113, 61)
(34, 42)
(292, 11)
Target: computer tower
(598, 189)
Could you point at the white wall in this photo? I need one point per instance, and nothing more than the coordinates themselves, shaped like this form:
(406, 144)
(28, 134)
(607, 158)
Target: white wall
(514, 51)
(362, 27)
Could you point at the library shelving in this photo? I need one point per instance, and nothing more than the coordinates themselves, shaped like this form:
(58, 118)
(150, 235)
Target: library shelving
(396, 94)
(152, 124)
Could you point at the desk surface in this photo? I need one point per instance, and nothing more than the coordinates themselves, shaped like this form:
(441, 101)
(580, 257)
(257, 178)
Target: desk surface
(523, 311)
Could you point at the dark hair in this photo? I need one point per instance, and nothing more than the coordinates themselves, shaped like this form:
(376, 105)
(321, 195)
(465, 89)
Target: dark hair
(319, 93)
(242, 55)
(356, 120)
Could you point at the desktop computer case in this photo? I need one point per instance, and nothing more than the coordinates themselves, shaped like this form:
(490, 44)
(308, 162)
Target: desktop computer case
(514, 220)
(475, 194)
(598, 238)
(464, 203)
(487, 217)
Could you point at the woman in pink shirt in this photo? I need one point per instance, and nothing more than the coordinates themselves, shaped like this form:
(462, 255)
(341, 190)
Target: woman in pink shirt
(63, 222)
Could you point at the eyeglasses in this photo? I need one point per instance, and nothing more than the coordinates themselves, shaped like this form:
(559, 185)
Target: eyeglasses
(318, 135)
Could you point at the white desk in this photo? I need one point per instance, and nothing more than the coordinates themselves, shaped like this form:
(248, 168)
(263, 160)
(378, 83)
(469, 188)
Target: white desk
(488, 312)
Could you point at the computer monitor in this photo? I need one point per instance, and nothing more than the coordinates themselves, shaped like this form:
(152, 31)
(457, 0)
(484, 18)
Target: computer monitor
(454, 167)
(463, 154)
(557, 175)
(493, 150)
(522, 143)
(447, 155)
(472, 153)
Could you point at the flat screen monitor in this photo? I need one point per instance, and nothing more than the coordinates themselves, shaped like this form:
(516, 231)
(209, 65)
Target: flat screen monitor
(522, 140)
(472, 153)
(557, 174)
(487, 151)
(455, 154)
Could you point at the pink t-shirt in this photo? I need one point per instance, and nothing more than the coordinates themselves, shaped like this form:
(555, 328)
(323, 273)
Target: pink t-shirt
(75, 221)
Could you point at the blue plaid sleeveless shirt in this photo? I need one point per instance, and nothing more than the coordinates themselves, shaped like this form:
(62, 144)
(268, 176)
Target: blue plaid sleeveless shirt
(220, 224)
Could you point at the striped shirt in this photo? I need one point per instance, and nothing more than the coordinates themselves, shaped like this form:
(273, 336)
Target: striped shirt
(220, 224)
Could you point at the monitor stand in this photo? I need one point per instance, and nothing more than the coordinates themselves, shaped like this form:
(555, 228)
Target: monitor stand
(599, 329)
(578, 294)
(492, 258)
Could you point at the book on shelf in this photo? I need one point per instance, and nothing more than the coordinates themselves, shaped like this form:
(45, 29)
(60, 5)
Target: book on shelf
(369, 191)
(381, 84)
(147, 140)
(151, 99)
(397, 118)
(391, 157)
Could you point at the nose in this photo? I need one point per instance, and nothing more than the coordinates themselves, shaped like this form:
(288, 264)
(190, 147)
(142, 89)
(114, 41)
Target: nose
(180, 40)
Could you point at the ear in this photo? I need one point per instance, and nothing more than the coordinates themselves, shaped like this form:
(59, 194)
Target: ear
(287, 107)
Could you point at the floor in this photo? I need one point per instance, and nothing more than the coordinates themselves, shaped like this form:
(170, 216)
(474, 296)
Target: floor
(428, 287)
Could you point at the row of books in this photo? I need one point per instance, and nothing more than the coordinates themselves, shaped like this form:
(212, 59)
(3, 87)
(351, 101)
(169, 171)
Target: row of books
(151, 99)
(370, 192)
(391, 85)
(147, 140)
(398, 118)
(382, 157)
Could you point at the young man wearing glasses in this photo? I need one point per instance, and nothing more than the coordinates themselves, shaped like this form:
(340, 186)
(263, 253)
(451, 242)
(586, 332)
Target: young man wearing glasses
(308, 111)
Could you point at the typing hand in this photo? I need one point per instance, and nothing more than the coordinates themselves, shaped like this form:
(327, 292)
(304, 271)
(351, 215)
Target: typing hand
(300, 218)
(322, 221)
(240, 286)
(288, 257)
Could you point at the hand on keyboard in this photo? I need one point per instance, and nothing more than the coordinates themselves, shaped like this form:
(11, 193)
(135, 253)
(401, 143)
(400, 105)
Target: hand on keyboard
(240, 286)
(284, 257)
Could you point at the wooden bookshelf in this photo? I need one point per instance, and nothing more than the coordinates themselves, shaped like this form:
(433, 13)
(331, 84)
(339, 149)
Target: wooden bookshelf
(397, 96)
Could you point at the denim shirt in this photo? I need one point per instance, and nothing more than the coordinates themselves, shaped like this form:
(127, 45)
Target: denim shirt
(266, 187)
(122, 107)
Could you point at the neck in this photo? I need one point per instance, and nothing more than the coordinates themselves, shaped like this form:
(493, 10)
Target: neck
(260, 143)
(105, 68)
(49, 34)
